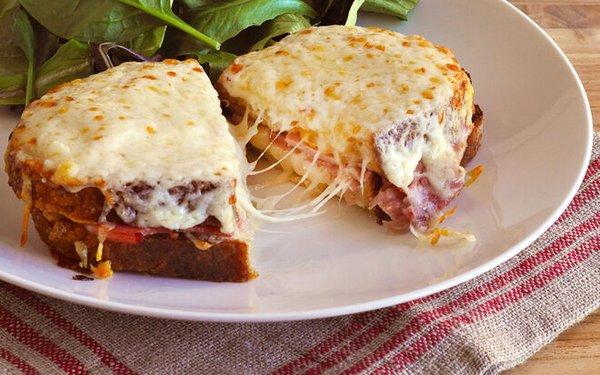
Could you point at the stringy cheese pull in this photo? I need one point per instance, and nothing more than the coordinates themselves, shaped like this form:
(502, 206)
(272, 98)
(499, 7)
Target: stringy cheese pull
(473, 175)
(26, 196)
(99, 250)
(434, 236)
(82, 251)
(104, 270)
(449, 213)
(25, 226)
(102, 233)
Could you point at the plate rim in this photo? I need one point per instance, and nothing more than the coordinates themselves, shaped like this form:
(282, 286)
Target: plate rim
(234, 317)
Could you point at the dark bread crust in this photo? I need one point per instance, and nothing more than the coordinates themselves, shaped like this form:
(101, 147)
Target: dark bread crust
(85, 205)
(474, 140)
(156, 255)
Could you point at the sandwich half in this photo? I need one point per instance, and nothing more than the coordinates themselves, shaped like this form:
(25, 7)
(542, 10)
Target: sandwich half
(385, 120)
(134, 169)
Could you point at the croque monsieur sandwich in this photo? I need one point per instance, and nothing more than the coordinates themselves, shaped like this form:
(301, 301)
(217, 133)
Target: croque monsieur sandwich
(134, 169)
(385, 120)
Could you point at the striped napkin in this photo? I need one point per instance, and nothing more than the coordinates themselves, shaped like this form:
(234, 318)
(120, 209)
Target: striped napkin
(486, 325)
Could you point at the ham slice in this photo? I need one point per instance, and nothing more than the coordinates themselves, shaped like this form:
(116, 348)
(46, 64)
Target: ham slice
(419, 205)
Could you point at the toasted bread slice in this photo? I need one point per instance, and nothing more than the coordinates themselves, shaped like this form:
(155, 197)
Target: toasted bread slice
(384, 116)
(136, 165)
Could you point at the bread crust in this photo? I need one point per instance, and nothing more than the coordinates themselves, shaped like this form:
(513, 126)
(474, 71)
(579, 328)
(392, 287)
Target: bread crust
(474, 140)
(85, 205)
(157, 254)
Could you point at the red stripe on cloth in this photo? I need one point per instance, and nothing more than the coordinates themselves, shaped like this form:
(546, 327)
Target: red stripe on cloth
(427, 317)
(358, 323)
(495, 305)
(592, 168)
(47, 311)
(361, 340)
(17, 362)
(30, 337)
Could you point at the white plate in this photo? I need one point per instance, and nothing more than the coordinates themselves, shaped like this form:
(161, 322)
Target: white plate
(537, 143)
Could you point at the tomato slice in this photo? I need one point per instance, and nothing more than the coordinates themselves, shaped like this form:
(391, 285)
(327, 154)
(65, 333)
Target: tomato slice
(125, 236)
(134, 235)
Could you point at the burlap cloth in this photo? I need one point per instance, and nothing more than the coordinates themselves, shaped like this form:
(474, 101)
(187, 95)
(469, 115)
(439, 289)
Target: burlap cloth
(483, 326)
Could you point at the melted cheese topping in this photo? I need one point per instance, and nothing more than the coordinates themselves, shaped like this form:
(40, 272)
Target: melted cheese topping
(363, 94)
(142, 133)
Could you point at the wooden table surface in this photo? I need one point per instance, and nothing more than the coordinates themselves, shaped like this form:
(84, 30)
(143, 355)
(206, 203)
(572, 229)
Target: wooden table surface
(575, 26)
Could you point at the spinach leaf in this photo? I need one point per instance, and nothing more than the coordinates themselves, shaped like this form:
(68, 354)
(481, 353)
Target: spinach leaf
(25, 39)
(8, 82)
(72, 60)
(149, 42)
(90, 20)
(46, 44)
(7, 5)
(322, 7)
(353, 12)
(12, 98)
(216, 62)
(398, 8)
(161, 9)
(196, 3)
(11, 89)
(335, 12)
(284, 24)
(12, 59)
(222, 20)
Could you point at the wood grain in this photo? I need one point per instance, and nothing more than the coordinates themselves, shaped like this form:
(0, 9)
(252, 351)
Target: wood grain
(575, 26)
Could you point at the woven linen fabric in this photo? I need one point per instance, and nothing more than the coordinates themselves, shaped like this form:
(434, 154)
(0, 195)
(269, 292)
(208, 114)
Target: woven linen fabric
(483, 326)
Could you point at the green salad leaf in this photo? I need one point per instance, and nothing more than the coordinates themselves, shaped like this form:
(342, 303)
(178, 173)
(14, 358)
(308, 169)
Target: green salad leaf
(281, 25)
(72, 60)
(149, 42)
(25, 39)
(223, 20)
(47, 42)
(398, 8)
(161, 9)
(322, 7)
(14, 65)
(196, 3)
(7, 5)
(216, 62)
(91, 20)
